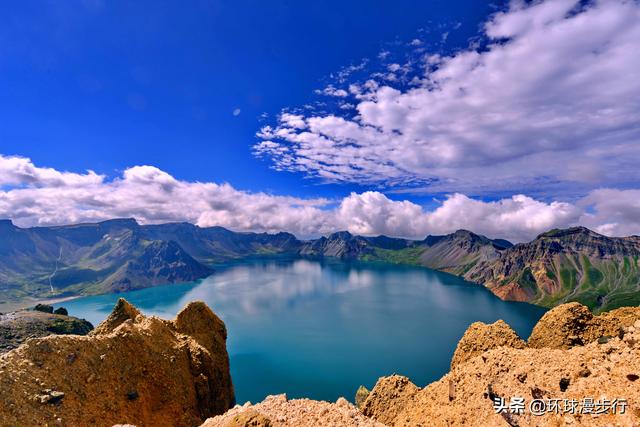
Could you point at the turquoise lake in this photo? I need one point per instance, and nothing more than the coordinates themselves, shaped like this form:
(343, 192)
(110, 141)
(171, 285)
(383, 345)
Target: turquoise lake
(319, 329)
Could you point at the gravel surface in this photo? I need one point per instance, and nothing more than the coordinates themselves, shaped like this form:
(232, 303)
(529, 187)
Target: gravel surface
(278, 411)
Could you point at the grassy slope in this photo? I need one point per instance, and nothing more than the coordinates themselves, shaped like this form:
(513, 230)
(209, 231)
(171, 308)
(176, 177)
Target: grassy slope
(600, 284)
(409, 256)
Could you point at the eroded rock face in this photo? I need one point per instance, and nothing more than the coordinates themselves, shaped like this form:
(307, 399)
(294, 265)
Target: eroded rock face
(597, 370)
(278, 411)
(131, 369)
(388, 398)
(481, 337)
(571, 355)
(562, 327)
(574, 264)
(573, 324)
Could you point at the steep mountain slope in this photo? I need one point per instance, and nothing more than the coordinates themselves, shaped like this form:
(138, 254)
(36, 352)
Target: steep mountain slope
(117, 255)
(455, 253)
(344, 245)
(459, 252)
(217, 244)
(159, 262)
(575, 264)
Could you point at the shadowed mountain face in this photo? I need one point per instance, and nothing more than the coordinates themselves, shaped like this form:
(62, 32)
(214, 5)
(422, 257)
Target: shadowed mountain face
(117, 256)
(17, 327)
(120, 255)
(454, 253)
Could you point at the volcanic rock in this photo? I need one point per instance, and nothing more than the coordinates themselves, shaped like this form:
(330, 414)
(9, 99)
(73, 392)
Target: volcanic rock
(573, 324)
(361, 395)
(481, 337)
(278, 411)
(564, 361)
(132, 369)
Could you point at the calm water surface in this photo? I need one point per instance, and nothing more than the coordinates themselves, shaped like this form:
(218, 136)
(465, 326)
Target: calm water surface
(319, 329)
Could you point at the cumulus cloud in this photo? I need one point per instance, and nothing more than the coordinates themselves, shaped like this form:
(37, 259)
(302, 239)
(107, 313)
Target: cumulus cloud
(612, 212)
(32, 195)
(549, 101)
(20, 171)
(44, 196)
(518, 218)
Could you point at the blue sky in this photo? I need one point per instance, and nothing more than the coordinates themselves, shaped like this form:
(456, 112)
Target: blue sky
(405, 118)
(107, 85)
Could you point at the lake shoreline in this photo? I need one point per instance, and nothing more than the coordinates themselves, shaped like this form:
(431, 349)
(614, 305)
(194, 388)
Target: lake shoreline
(7, 307)
(414, 317)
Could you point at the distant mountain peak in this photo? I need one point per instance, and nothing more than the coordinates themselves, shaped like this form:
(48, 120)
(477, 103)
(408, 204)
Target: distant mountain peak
(344, 234)
(571, 231)
(561, 265)
(464, 232)
(120, 221)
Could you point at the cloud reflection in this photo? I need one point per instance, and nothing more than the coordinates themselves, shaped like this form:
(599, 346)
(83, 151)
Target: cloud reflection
(272, 286)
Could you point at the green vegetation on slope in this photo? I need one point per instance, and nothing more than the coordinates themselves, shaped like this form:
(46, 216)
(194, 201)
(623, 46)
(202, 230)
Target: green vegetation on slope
(599, 284)
(409, 256)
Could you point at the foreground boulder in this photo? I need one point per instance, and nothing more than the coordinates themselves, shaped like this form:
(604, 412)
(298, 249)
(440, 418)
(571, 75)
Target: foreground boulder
(573, 324)
(481, 337)
(388, 398)
(132, 369)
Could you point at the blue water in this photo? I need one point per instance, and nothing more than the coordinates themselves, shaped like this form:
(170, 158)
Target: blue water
(319, 329)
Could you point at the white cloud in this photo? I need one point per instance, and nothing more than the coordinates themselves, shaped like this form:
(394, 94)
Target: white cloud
(551, 103)
(20, 171)
(236, 112)
(518, 218)
(330, 90)
(613, 212)
(45, 196)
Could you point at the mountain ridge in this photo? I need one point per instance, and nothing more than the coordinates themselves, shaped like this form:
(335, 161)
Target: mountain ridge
(117, 255)
(574, 264)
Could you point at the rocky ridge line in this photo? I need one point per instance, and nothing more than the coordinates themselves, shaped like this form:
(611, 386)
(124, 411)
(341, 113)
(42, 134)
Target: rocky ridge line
(571, 354)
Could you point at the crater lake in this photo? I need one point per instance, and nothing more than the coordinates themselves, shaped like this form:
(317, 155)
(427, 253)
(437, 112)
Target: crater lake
(321, 328)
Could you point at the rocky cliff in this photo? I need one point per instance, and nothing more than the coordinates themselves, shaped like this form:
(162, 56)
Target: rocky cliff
(559, 266)
(459, 252)
(575, 264)
(18, 326)
(571, 356)
(131, 369)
